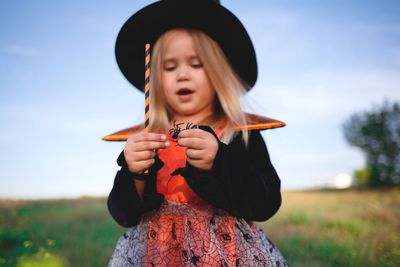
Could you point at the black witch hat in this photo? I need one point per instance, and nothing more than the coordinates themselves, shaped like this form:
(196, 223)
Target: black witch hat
(208, 16)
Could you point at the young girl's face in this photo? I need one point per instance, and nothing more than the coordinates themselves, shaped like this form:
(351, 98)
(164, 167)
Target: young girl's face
(185, 84)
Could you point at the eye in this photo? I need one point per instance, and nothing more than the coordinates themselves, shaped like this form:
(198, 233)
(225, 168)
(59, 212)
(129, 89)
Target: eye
(169, 66)
(196, 64)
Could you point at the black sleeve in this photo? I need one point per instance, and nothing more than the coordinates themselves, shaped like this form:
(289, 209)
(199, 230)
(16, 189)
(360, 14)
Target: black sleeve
(242, 181)
(124, 203)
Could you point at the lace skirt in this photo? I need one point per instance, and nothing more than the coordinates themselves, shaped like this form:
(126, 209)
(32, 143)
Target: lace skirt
(194, 235)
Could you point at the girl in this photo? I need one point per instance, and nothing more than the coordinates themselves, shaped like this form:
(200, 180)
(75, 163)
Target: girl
(208, 175)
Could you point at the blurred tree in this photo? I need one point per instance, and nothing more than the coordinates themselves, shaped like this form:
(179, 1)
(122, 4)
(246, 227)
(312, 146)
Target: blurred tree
(361, 177)
(377, 134)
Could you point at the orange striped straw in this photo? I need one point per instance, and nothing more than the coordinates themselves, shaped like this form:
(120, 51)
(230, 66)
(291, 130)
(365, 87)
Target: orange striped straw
(146, 89)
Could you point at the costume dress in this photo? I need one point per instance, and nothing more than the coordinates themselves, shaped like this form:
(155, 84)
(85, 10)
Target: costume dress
(199, 218)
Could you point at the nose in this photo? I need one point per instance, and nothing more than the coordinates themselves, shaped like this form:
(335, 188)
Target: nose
(183, 73)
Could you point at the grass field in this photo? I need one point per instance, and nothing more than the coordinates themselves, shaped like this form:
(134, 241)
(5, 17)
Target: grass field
(325, 228)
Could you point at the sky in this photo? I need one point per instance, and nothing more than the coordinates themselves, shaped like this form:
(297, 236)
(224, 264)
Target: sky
(61, 90)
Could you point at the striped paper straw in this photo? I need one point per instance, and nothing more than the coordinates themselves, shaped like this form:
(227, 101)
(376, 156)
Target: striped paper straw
(146, 89)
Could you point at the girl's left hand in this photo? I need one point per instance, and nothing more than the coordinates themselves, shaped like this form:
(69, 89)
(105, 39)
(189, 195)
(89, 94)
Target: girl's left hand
(201, 148)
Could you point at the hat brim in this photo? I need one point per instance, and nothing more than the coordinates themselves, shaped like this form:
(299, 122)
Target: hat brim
(149, 23)
(254, 122)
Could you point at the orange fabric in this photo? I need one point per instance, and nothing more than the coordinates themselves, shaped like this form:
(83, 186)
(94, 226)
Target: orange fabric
(170, 235)
(175, 187)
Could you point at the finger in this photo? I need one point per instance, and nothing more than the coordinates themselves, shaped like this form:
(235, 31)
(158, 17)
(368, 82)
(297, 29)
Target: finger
(141, 155)
(203, 155)
(193, 133)
(151, 145)
(196, 143)
(193, 162)
(143, 136)
(194, 154)
(143, 165)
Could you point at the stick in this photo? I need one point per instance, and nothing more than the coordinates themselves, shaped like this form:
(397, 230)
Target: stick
(146, 89)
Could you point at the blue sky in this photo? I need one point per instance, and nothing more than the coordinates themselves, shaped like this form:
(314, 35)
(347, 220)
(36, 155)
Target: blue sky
(61, 90)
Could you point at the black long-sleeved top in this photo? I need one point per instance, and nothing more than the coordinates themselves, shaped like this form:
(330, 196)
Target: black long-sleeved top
(242, 182)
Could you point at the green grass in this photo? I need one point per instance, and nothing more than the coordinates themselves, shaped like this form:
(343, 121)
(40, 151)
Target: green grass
(333, 228)
(338, 228)
(75, 232)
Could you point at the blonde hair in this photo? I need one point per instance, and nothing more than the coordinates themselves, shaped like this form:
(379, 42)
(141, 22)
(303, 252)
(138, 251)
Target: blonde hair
(226, 83)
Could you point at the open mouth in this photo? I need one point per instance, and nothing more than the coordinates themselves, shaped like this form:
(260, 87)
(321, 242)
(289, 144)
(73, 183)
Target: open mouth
(184, 91)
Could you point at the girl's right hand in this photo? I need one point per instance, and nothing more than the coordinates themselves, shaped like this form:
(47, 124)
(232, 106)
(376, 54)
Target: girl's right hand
(140, 150)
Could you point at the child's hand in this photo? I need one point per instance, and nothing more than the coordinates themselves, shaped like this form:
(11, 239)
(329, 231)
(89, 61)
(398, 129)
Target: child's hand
(202, 147)
(140, 150)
